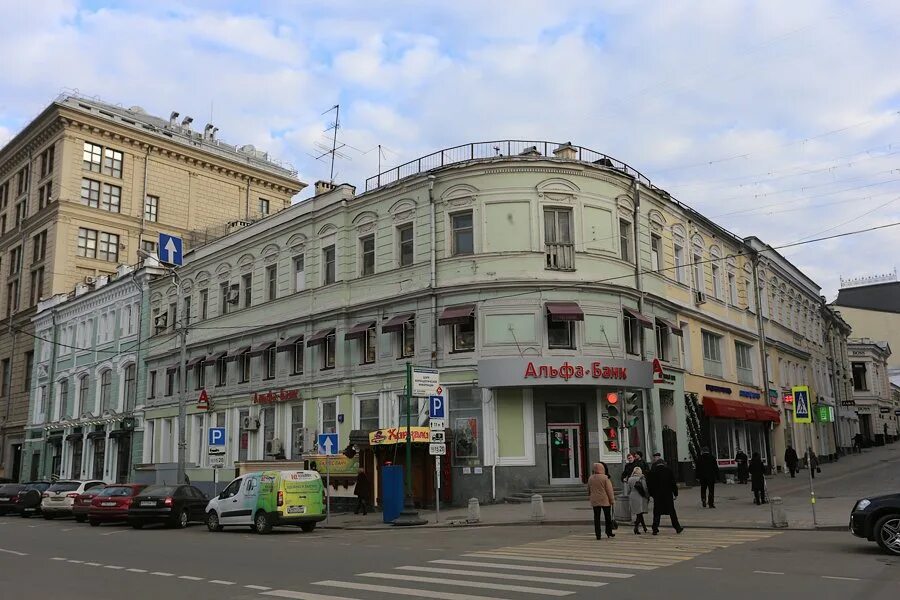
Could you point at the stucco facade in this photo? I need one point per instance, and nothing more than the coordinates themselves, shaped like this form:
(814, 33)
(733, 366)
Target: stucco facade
(872, 391)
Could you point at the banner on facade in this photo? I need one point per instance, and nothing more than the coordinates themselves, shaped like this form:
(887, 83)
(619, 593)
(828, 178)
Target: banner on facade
(397, 435)
(527, 372)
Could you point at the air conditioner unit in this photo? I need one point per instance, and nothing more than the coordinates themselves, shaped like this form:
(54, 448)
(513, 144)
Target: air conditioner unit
(90, 280)
(234, 294)
(250, 423)
(699, 297)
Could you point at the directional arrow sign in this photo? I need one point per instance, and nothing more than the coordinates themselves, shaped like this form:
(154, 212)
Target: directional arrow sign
(328, 443)
(170, 249)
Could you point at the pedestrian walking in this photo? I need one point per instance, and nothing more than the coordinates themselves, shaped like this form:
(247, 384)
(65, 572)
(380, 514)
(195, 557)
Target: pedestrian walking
(602, 496)
(858, 443)
(640, 462)
(790, 459)
(741, 459)
(638, 498)
(663, 489)
(708, 474)
(758, 479)
(629, 467)
(362, 491)
(812, 462)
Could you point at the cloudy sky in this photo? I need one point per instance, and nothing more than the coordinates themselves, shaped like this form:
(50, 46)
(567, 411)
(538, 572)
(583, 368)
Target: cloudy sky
(777, 119)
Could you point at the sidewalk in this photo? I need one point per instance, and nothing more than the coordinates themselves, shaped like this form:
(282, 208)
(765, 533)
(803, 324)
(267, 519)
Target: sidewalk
(838, 486)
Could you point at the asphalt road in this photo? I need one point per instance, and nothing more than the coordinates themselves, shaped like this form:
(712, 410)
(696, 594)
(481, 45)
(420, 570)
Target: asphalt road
(75, 561)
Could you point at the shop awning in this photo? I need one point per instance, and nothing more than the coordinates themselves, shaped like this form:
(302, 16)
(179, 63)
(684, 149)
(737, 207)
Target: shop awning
(319, 338)
(289, 343)
(457, 315)
(564, 311)
(643, 319)
(213, 358)
(674, 328)
(235, 354)
(359, 330)
(119, 433)
(723, 408)
(261, 348)
(74, 437)
(96, 435)
(195, 361)
(396, 323)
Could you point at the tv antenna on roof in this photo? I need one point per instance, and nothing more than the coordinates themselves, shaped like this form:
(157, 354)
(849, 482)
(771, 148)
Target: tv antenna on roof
(335, 147)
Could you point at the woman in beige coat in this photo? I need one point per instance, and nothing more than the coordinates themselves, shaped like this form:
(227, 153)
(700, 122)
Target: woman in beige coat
(600, 491)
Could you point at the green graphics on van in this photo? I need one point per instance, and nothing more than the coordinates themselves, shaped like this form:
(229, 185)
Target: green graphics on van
(303, 493)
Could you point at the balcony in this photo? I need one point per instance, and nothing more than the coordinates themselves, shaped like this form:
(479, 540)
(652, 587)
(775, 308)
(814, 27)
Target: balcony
(561, 257)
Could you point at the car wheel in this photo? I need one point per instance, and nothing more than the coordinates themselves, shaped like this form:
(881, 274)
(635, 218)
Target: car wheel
(212, 521)
(181, 521)
(887, 534)
(262, 523)
(94, 523)
(307, 527)
(137, 525)
(80, 519)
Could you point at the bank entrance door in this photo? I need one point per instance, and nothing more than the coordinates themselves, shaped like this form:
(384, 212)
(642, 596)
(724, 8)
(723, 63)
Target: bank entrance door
(564, 442)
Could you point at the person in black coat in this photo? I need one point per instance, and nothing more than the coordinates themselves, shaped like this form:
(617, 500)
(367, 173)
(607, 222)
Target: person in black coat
(708, 474)
(790, 459)
(362, 492)
(640, 462)
(758, 479)
(663, 490)
(742, 463)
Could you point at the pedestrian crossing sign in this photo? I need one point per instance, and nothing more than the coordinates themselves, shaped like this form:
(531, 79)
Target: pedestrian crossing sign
(802, 406)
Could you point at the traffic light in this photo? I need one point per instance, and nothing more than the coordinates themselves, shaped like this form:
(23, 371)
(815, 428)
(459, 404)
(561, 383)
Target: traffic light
(634, 408)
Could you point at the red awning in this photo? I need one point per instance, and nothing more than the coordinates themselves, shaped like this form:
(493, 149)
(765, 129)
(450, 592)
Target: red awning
(319, 338)
(195, 361)
(359, 330)
(675, 329)
(564, 311)
(723, 408)
(290, 343)
(396, 323)
(457, 315)
(644, 320)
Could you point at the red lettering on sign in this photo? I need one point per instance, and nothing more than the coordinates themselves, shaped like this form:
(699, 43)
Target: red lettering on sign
(529, 370)
(544, 371)
(579, 371)
(596, 370)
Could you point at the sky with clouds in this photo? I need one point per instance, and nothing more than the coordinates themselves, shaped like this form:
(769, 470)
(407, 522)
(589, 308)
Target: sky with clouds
(776, 119)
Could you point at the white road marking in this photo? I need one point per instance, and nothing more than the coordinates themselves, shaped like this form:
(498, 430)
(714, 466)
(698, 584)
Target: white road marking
(392, 590)
(136, 570)
(475, 584)
(32, 526)
(221, 582)
(66, 529)
(469, 563)
(840, 578)
(261, 588)
(91, 564)
(113, 567)
(76, 562)
(562, 561)
(13, 552)
(57, 558)
(709, 568)
(769, 572)
(163, 574)
(514, 576)
(190, 578)
(114, 532)
(303, 595)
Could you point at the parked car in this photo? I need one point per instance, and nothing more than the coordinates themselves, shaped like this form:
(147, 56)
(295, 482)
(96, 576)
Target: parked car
(877, 519)
(9, 493)
(59, 498)
(113, 502)
(82, 505)
(174, 505)
(268, 498)
(28, 500)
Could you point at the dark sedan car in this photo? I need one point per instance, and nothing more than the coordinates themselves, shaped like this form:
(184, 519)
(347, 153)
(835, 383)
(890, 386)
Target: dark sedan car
(82, 505)
(28, 500)
(112, 504)
(174, 505)
(877, 519)
(9, 493)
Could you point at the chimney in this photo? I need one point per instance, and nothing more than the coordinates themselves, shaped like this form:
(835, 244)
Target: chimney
(530, 151)
(323, 187)
(173, 118)
(566, 151)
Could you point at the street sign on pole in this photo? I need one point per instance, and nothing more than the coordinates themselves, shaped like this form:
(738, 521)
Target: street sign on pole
(328, 444)
(436, 407)
(217, 436)
(438, 436)
(437, 449)
(170, 250)
(439, 424)
(425, 382)
(802, 406)
(216, 461)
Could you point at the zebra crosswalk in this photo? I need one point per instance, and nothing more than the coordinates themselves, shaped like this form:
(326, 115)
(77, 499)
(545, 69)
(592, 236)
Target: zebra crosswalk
(553, 568)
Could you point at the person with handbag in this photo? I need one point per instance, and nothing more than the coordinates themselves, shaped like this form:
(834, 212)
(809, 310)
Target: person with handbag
(638, 498)
(812, 462)
(602, 497)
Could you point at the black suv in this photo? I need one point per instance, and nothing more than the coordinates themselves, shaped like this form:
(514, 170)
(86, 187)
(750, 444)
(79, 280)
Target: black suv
(877, 519)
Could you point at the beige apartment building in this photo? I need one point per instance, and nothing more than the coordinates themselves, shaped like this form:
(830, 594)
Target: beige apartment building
(87, 185)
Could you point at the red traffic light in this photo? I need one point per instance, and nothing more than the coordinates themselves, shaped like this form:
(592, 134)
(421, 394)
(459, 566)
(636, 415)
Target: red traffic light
(612, 397)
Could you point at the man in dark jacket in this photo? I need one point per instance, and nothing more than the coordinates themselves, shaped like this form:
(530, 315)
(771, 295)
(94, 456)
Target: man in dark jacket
(663, 490)
(640, 462)
(708, 474)
(742, 462)
(362, 491)
(791, 459)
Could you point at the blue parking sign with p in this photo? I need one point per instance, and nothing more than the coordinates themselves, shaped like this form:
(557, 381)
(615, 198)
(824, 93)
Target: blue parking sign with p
(216, 436)
(436, 407)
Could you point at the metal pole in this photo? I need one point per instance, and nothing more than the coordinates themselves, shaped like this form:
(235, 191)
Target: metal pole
(327, 488)
(182, 392)
(408, 472)
(437, 489)
(215, 482)
(812, 489)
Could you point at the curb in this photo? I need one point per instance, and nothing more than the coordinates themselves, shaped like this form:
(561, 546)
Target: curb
(561, 523)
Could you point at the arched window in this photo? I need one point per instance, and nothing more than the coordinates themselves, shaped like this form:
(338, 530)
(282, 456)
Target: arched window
(679, 253)
(130, 387)
(84, 386)
(715, 260)
(105, 389)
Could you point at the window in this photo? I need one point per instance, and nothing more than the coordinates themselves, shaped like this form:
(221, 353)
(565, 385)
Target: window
(271, 282)
(465, 421)
(47, 157)
(632, 330)
(743, 359)
(717, 281)
(751, 295)
(130, 387)
(223, 298)
(6, 374)
(151, 208)
(170, 381)
(204, 304)
(560, 334)
(860, 383)
(407, 248)
(271, 361)
(368, 414)
(244, 367)
(105, 390)
(297, 438)
(186, 311)
(15, 261)
(83, 389)
(112, 163)
(90, 193)
(12, 297)
(329, 416)
(299, 274)
(408, 339)
(655, 252)
(297, 358)
(44, 194)
(367, 254)
(663, 342)
(172, 316)
(148, 246)
(39, 247)
(91, 157)
(328, 349)
(464, 336)
(29, 366)
(65, 409)
(732, 290)
(247, 285)
(37, 285)
(463, 238)
(625, 240)
(558, 238)
(699, 277)
(21, 211)
(4, 195)
(712, 354)
(22, 180)
(111, 199)
(221, 372)
(328, 264)
(200, 376)
(370, 345)
(263, 207)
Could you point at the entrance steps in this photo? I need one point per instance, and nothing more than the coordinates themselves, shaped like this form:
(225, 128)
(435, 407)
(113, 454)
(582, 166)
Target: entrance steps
(551, 493)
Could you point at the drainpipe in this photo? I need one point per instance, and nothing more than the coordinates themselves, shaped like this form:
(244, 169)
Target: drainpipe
(761, 333)
(639, 286)
(837, 402)
(144, 191)
(432, 284)
(247, 202)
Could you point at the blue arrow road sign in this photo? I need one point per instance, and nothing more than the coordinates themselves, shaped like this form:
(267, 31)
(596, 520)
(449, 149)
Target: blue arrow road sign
(436, 407)
(216, 436)
(328, 443)
(170, 249)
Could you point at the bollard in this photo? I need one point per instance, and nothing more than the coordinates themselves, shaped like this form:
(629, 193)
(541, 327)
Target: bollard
(623, 509)
(779, 517)
(474, 515)
(537, 507)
